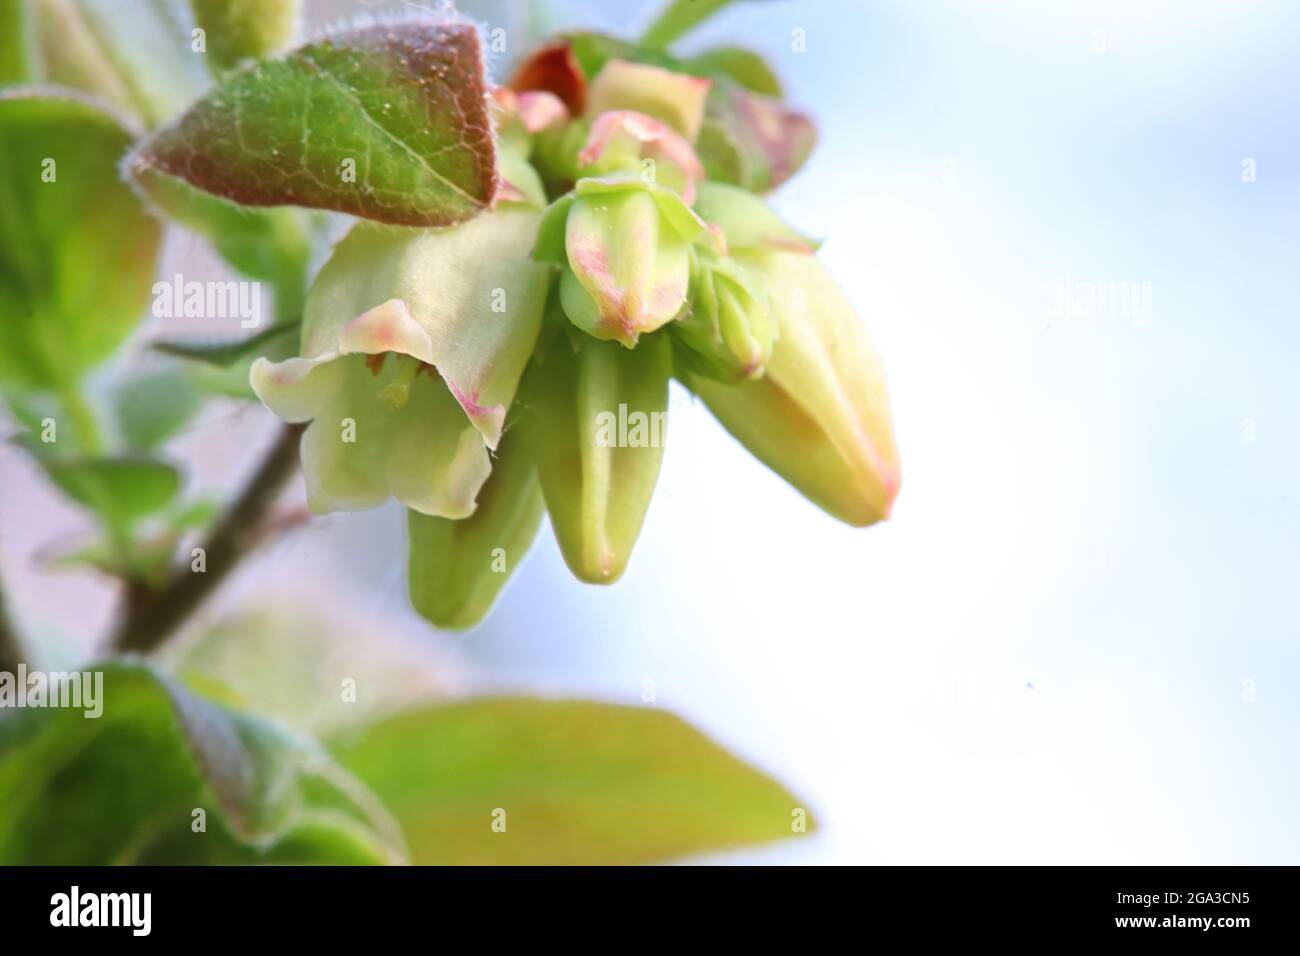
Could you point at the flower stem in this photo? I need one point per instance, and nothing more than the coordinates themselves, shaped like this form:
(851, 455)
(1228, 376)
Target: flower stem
(152, 616)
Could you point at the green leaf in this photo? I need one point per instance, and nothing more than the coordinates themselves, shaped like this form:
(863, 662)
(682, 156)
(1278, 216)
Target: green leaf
(222, 367)
(244, 29)
(269, 244)
(151, 407)
(121, 490)
(77, 250)
(679, 18)
(270, 342)
(135, 55)
(123, 787)
(456, 569)
(387, 122)
(592, 51)
(15, 48)
(146, 561)
(744, 66)
(579, 783)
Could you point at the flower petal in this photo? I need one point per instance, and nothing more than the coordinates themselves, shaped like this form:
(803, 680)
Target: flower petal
(472, 290)
(554, 69)
(359, 449)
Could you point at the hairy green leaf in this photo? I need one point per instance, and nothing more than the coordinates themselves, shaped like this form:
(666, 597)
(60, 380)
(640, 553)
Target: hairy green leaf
(387, 122)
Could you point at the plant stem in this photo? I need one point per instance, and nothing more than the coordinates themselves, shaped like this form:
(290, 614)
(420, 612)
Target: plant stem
(84, 423)
(11, 648)
(151, 617)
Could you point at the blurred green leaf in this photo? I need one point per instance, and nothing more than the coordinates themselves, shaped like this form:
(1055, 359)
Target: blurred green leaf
(123, 787)
(148, 558)
(593, 50)
(267, 244)
(579, 782)
(398, 122)
(77, 249)
(222, 367)
(227, 352)
(121, 490)
(746, 67)
(15, 52)
(151, 407)
(136, 55)
(291, 654)
(678, 18)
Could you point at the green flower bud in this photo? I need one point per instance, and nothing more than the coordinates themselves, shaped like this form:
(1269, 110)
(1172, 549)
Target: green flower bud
(237, 30)
(413, 344)
(675, 98)
(624, 141)
(729, 332)
(597, 419)
(746, 220)
(456, 569)
(518, 118)
(626, 243)
(819, 417)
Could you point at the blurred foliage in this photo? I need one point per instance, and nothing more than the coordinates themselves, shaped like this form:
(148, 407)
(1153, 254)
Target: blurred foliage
(579, 782)
(77, 249)
(124, 787)
(151, 407)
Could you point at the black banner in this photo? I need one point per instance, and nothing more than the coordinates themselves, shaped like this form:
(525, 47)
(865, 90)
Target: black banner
(216, 905)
